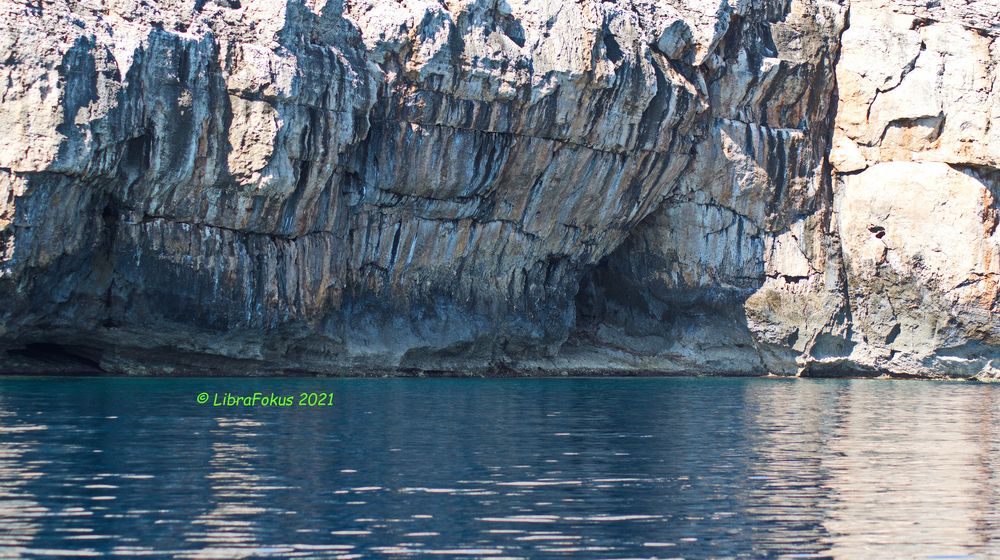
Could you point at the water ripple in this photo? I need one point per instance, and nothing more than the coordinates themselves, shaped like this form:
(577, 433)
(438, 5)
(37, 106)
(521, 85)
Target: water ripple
(572, 468)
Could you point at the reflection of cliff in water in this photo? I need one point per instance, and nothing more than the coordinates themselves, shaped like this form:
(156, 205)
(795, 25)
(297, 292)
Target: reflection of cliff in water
(922, 471)
(520, 468)
(20, 513)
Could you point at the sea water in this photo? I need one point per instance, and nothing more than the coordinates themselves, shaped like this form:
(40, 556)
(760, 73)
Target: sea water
(491, 468)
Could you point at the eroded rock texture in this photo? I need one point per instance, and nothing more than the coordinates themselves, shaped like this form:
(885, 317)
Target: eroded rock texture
(916, 155)
(741, 186)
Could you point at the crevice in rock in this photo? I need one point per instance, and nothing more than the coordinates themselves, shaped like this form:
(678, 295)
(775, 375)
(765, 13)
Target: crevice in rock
(790, 279)
(611, 46)
(909, 67)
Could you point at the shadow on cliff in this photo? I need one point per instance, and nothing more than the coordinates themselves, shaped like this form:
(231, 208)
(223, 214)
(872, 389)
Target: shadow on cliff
(673, 296)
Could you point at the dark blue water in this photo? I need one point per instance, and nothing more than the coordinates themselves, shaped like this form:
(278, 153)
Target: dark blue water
(544, 468)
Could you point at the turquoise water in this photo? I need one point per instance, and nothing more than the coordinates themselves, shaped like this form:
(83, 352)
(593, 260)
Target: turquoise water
(540, 468)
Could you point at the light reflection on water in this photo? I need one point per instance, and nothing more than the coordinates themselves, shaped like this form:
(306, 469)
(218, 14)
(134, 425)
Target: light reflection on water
(575, 468)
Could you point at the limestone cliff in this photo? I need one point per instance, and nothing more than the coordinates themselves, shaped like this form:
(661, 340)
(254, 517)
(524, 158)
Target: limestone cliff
(480, 186)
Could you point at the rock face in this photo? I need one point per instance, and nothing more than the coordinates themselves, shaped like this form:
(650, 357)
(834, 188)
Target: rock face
(914, 158)
(478, 186)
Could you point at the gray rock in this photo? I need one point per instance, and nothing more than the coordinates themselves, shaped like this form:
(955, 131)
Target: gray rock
(487, 186)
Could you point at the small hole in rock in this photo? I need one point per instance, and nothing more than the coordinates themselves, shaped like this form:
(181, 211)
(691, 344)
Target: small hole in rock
(879, 231)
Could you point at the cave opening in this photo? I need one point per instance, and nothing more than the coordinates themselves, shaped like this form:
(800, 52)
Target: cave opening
(83, 359)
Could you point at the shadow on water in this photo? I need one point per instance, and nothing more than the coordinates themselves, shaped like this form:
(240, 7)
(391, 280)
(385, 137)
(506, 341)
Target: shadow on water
(576, 468)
